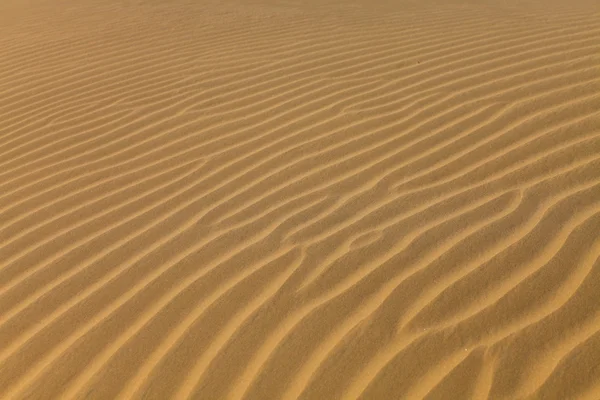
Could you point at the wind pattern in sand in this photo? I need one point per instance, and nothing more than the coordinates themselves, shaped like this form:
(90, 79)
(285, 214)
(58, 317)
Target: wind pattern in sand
(255, 199)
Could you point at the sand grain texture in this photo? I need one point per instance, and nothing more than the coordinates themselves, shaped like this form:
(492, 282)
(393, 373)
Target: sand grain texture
(259, 199)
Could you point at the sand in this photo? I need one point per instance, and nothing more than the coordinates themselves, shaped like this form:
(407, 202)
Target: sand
(300, 199)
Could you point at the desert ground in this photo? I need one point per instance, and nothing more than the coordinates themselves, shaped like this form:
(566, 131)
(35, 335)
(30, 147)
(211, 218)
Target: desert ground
(300, 199)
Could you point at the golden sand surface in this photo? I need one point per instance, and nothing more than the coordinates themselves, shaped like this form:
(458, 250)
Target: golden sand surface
(299, 199)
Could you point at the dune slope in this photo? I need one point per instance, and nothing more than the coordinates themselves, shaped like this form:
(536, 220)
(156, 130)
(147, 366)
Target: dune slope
(259, 199)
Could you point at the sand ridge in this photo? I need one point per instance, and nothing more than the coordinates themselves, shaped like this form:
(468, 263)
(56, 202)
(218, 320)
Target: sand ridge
(260, 199)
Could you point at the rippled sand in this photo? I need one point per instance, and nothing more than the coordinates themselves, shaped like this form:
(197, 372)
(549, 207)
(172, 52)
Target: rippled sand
(260, 199)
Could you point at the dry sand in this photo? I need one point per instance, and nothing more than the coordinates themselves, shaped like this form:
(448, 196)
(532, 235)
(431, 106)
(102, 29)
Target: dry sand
(314, 199)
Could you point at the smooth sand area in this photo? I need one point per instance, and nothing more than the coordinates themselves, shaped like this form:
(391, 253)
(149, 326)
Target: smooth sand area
(299, 199)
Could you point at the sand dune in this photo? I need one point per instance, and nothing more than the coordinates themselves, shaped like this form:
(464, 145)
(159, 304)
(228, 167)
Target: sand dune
(258, 199)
